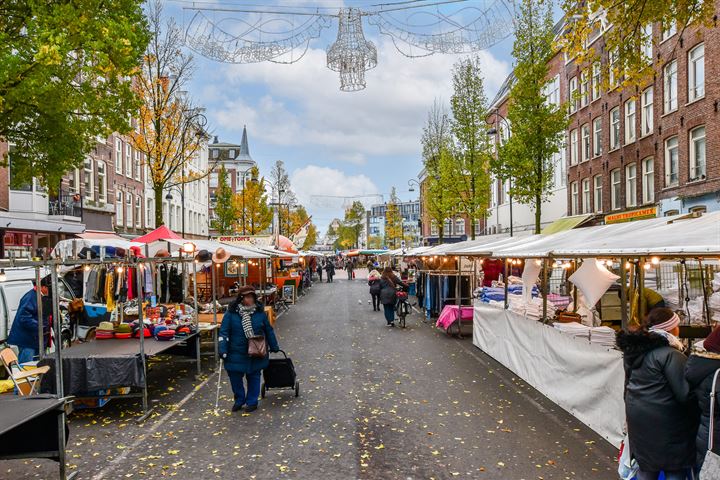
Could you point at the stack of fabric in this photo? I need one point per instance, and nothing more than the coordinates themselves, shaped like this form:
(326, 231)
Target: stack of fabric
(577, 330)
(516, 304)
(602, 336)
(534, 309)
(559, 302)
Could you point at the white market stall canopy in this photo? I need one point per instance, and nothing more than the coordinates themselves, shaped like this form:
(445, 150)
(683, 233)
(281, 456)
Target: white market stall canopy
(67, 248)
(209, 245)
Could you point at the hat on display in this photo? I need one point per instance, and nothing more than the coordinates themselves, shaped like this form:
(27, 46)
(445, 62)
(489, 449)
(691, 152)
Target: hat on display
(162, 253)
(203, 256)
(221, 255)
(123, 335)
(123, 328)
(106, 326)
(136, 251)
(165, 335)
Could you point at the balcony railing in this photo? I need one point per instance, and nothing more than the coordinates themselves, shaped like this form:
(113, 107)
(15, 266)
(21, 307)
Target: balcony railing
(66, 205)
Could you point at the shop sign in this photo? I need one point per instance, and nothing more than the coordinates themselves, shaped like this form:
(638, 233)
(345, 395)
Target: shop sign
(639, 214)
(239, 240)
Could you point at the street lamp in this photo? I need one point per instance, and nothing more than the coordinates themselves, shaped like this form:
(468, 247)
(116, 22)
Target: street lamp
(494, 131)
(169, 198)
(411, 184)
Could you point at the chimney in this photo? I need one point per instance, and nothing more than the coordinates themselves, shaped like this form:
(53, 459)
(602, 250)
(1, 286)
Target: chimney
(215, 140)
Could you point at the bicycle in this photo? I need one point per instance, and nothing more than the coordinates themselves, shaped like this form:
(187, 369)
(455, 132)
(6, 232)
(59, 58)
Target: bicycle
(402, 307)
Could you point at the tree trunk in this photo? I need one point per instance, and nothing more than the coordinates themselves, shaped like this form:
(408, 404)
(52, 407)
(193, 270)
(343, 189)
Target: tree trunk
(538, 213)
(441, 234)
(158, 189)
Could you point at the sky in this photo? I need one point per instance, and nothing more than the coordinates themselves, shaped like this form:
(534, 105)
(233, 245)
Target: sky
(333, 143)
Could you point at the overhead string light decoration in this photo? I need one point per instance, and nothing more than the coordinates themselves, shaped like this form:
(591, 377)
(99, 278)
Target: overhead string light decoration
(272, 33)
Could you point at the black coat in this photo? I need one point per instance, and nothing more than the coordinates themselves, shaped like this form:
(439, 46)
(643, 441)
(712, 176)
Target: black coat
(388, 292)
(374, 286)
(699, 373)
(661, 418)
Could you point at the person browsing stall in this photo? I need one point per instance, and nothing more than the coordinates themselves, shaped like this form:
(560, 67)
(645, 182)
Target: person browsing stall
(245, 319)
(24, 330)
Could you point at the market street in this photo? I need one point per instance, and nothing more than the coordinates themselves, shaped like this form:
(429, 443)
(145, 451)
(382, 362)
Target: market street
(375, 403)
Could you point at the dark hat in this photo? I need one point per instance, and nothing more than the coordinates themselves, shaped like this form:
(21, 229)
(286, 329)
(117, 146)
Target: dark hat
(162, 253)
(203, 256)
(246, 290)
(712, 342)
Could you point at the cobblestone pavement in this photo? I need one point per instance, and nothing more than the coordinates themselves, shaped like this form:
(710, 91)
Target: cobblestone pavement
(375, 403)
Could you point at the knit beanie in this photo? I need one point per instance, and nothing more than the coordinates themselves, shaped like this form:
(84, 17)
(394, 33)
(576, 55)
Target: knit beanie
(712, 342)
(662, 319)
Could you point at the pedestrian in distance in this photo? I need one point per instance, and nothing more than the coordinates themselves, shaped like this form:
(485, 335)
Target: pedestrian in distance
(388, 294)
(661, 418)
(24, 330)
(349, 267)
(699, 372)
(330, 271)
(374, 283)
(320, 271)
(245, 319)
(370, 267)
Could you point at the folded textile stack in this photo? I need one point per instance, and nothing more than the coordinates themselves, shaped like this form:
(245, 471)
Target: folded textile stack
(559, 302)
(534, 309)
(602, 336)
(577, 330)
(516, 304)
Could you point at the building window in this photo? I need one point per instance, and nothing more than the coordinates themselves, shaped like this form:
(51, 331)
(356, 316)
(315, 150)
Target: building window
(138, 211)
(615, 128)
(630, 121)
(477, 226)
(460, 226)
(215, 153)
(138, 165)
(552, 91)
(102, 182)
(129, 209)
(672, 177)
(128, 161)
(89, 179)
(573, 147)
(587, 205)
(597, 194)
(433, 227)
(118, 156)
(74, 181)
(584, 81)
(231, 153)
(560, 168)
(574, 198)
(119, 208)
(596, 81)
(697, 153)
(670, 86)
(646, 120)
(597, 137)
(696, 73)
(668, 31)
(150, 213)
(648, 180)
(615, 186)
(699, 209)
(631, 185)
(585, 142)
(613, 74)
(647, 42)
(572, 89)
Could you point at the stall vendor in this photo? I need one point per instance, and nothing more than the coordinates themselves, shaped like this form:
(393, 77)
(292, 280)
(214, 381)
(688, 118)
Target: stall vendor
(24, 330)
(652, 299)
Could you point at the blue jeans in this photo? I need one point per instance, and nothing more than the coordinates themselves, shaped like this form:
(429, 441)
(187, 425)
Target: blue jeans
(669, 475)
(253, 387)
(389, 311)
(27, 354)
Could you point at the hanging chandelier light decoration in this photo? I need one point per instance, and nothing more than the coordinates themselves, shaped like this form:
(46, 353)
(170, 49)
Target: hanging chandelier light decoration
(279, 35)
(351, 55)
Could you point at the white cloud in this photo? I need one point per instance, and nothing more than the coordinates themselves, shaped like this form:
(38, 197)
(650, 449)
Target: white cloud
(302, 104)
(316, 186)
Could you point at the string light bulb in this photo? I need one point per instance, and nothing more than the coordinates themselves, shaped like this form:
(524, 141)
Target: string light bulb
(628, 265)
(655, 260)
(646, 266)
(609, 263)
(86, 268)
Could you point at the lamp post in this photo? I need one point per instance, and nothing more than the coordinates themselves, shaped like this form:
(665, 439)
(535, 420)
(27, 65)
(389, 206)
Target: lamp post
(411, 183)
(495, 131)
(169, 197)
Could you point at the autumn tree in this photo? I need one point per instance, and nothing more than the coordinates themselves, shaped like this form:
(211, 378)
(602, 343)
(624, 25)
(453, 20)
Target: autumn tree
(436, 141)
(225, 211)
(538, 126)
(170, 129)
(393, 221)
(312, 238)
(283, 196)
(627, 32)
(345, 238)
(468, 176)
(374, 242)
(254, 214)
(355, 220)
(63, 80)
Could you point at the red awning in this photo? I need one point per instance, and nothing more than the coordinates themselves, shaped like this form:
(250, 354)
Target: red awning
(160, 233)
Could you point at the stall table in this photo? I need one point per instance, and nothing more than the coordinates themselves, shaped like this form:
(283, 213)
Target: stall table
(452, 314)
(26, 424)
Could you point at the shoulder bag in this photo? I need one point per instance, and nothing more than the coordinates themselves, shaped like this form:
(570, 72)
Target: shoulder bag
(711, 466)
(257, 347)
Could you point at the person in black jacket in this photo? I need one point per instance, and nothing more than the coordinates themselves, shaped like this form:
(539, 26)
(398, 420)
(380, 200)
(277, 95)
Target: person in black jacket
(661, 420)
(374, 283)
(699, 372)
(389, 282)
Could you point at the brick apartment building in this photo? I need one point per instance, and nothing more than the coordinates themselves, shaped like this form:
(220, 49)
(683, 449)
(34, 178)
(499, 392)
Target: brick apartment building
(653, 150)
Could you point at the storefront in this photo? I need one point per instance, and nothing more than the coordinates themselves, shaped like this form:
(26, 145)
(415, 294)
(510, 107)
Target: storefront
(24, 238)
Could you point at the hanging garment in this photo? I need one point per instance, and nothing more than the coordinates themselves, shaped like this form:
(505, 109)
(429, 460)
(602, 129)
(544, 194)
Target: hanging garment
(148, 276)
(131, 283)
(175, 285)
(109, 292)
(164, 273)
(99, 294)
(91, 286)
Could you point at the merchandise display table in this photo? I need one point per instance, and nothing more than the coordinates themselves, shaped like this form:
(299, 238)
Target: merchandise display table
(26, 424)
(583, 378)
(449, 315)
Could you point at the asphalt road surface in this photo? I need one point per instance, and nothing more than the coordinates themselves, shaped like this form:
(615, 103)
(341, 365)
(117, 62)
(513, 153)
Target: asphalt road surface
(375, 403)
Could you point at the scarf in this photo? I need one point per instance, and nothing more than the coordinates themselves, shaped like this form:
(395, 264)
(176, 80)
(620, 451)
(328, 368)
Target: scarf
(672, 339)
(246, 316)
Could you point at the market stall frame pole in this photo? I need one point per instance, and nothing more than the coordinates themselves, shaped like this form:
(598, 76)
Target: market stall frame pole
(141, 326)
(38, 297)
(59, 385)
(623, 294)
(214, 304)
(195, 314)
(505, 281)
(642, 305)
(545, 289)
